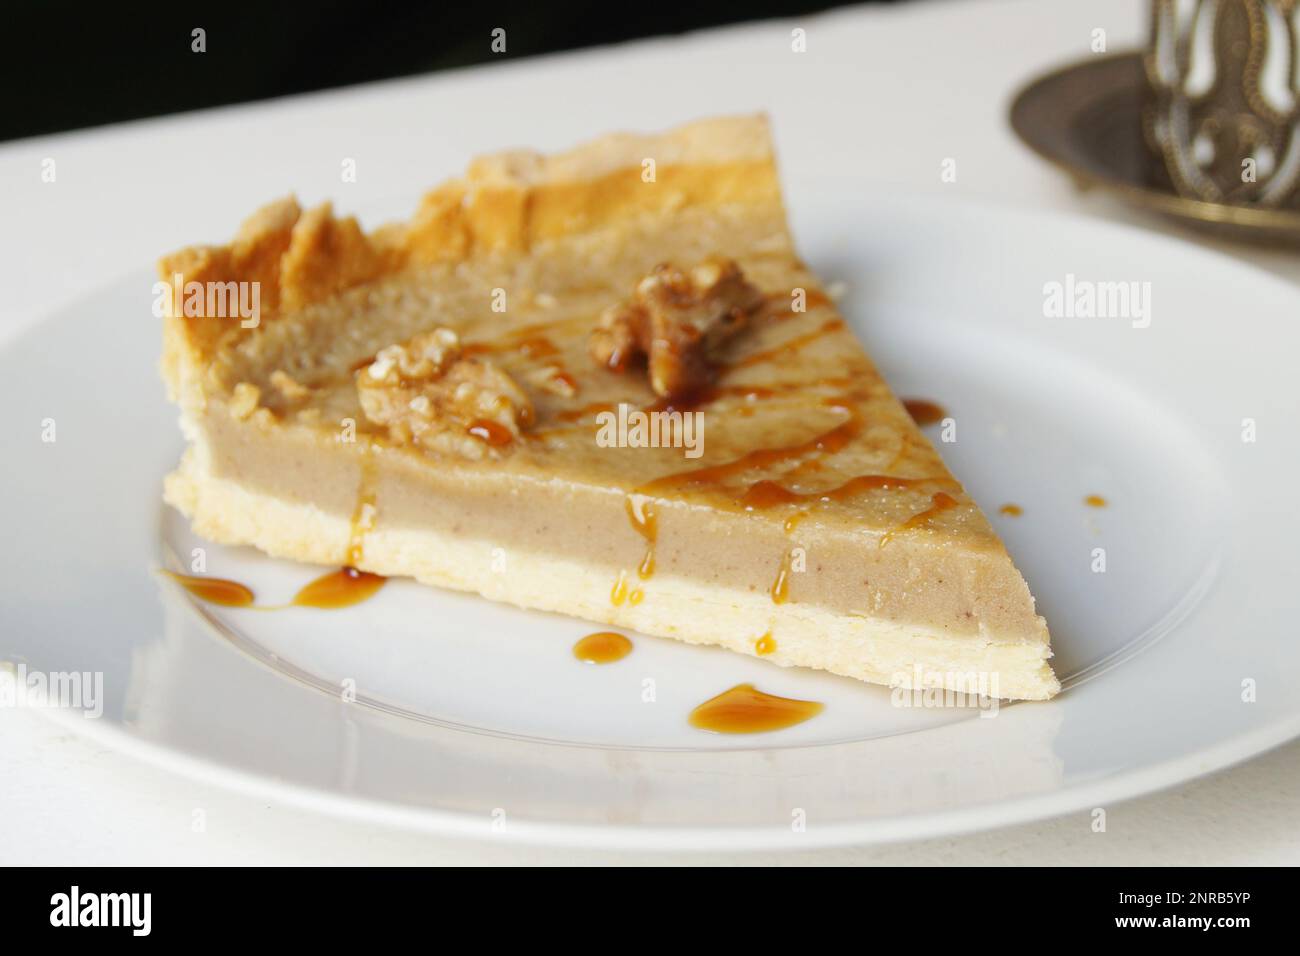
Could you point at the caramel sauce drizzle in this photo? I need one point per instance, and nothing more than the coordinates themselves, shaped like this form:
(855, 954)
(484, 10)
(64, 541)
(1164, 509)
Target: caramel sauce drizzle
(337, 589)
(363, 514)
(341, 588)
(618, 594)
(214, 590)
(490, 433)
(767, 494)
(924, 412)
(641, 513)
(828, 442)
(603, 647)
(746, 710)
(703, 397)
(939, 503)
(788, 347)
(566, 379)
(765, 645)
(647, 565)
(780, 589)
(524, 341)
(585, 411)
(784, 306)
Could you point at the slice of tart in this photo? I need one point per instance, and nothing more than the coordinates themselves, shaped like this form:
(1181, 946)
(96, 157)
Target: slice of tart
(599, 383)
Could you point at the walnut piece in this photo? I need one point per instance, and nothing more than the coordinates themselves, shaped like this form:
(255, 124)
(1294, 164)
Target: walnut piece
(424, 392)
(245, 398)
(288, 386)
(676, 320)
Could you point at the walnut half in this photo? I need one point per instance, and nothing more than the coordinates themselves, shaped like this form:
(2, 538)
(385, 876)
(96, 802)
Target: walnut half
(424, 392)
(677, 320)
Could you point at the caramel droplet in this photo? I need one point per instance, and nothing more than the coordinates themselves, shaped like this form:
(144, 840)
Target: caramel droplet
(1015, 511)
(765, 645)
(745, 710)
(603, 647)
(618, 594)
(214, 590)
(341, 588)
(939, 503)
(641, 513)
(490, 433)
(1095, 501)
(781, 586)
(647, 566)
(923, 411)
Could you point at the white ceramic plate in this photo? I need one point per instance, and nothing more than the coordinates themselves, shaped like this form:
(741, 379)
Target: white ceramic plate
(474, 718)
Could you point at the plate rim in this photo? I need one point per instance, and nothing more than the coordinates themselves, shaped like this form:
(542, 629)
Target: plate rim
(1126, 784)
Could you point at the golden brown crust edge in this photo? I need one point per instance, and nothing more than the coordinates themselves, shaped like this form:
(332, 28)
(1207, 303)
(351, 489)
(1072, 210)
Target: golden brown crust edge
(505, 204)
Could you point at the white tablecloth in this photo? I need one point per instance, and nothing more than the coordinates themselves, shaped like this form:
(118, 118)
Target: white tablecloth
(886, 93)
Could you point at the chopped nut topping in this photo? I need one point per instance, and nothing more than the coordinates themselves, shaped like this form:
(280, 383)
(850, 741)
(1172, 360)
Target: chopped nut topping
(423, 391)
(244, 399)
(288, 386)
(677, 320)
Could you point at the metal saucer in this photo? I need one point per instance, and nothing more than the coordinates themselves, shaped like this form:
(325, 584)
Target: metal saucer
(1086, 120)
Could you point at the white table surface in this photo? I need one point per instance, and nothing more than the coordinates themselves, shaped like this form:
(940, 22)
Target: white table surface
(887, 93)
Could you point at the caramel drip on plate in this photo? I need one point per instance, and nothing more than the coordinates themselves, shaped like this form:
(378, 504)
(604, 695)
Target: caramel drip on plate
(1095, 501)
(603, 647)
(341, 588)
(923, 411)
(746, 710)
(1014, 511)
(939, 503)
(214, 590)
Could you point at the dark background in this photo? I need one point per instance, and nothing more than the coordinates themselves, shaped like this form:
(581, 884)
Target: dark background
(70, 65)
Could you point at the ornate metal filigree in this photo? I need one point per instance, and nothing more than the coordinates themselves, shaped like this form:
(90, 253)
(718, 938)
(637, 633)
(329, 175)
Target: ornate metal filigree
(1223, 116)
